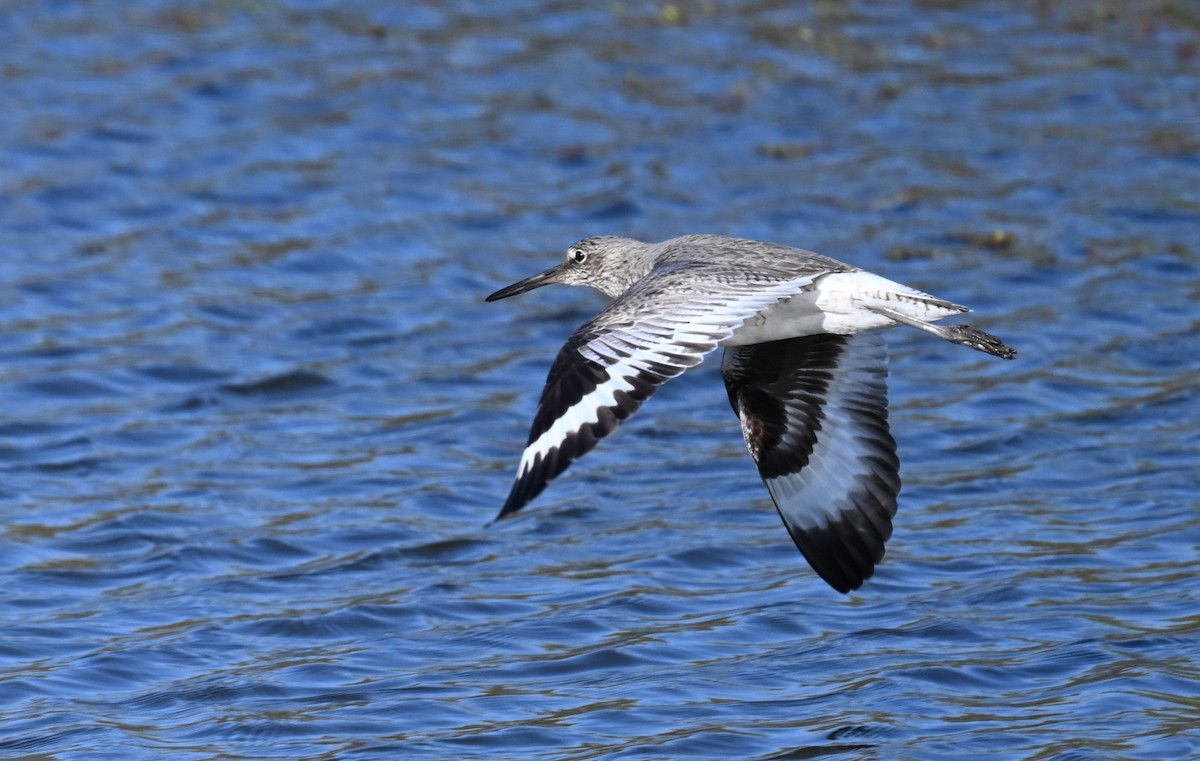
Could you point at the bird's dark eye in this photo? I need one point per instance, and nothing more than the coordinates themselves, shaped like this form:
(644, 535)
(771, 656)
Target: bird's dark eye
(577, 256)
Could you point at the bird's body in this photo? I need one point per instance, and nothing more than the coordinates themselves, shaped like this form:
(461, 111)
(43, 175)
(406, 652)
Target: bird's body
(804, 368)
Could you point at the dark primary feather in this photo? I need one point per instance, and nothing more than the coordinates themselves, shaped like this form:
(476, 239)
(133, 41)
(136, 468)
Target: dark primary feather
(640, 346)
(813, 411)
(571, 378)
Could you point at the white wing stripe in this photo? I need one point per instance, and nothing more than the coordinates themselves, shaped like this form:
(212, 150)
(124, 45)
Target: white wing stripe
(836, 463)
(584, 412)
(674, 340)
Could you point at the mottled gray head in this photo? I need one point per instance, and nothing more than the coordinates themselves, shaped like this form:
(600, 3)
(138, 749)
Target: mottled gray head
(608, 263)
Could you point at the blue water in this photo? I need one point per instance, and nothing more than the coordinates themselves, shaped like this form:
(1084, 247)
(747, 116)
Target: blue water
(254, 413)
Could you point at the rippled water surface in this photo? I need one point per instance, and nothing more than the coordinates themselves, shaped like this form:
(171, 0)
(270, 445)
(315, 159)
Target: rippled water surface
(254, 413)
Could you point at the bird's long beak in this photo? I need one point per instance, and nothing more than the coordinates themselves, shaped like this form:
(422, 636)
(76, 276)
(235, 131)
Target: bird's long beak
(552, 275)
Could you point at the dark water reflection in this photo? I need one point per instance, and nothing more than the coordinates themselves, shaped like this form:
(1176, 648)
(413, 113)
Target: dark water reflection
(256, 414)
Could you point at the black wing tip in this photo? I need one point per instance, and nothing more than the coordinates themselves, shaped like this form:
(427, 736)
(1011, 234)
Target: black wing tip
(839, 574)
(843, 582)
(507, 512)
(532, 481)
(842, 579)
(509, 509)
(523, 491)
(846, 552)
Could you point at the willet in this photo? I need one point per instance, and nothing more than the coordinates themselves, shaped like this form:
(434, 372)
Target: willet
(804, 367)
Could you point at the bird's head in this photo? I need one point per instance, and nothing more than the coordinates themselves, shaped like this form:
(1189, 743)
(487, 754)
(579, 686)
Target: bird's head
(608, 263)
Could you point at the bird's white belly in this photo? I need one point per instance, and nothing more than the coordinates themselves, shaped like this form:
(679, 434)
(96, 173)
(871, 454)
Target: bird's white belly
(837, 303)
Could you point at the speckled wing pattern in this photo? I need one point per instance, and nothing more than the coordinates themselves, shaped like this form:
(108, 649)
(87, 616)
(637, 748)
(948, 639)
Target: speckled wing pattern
(814, 416)
(663, 325)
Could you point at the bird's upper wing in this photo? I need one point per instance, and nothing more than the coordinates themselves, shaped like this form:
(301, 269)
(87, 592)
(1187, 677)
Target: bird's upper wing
(664, 324)
(814, 415)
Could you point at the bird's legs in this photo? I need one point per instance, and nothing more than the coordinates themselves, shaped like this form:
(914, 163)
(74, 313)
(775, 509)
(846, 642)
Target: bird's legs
(958, 334)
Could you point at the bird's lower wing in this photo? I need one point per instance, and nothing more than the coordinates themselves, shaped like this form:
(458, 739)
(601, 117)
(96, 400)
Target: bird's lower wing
(814, 416)
(652, 333)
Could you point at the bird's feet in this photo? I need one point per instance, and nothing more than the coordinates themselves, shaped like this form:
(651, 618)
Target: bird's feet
(964, 335)
(978, 340)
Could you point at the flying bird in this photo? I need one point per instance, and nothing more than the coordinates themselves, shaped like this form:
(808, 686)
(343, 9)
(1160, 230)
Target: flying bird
(804, 365)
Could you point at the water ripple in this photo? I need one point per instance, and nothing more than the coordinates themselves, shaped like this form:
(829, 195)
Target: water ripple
(256, 416)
